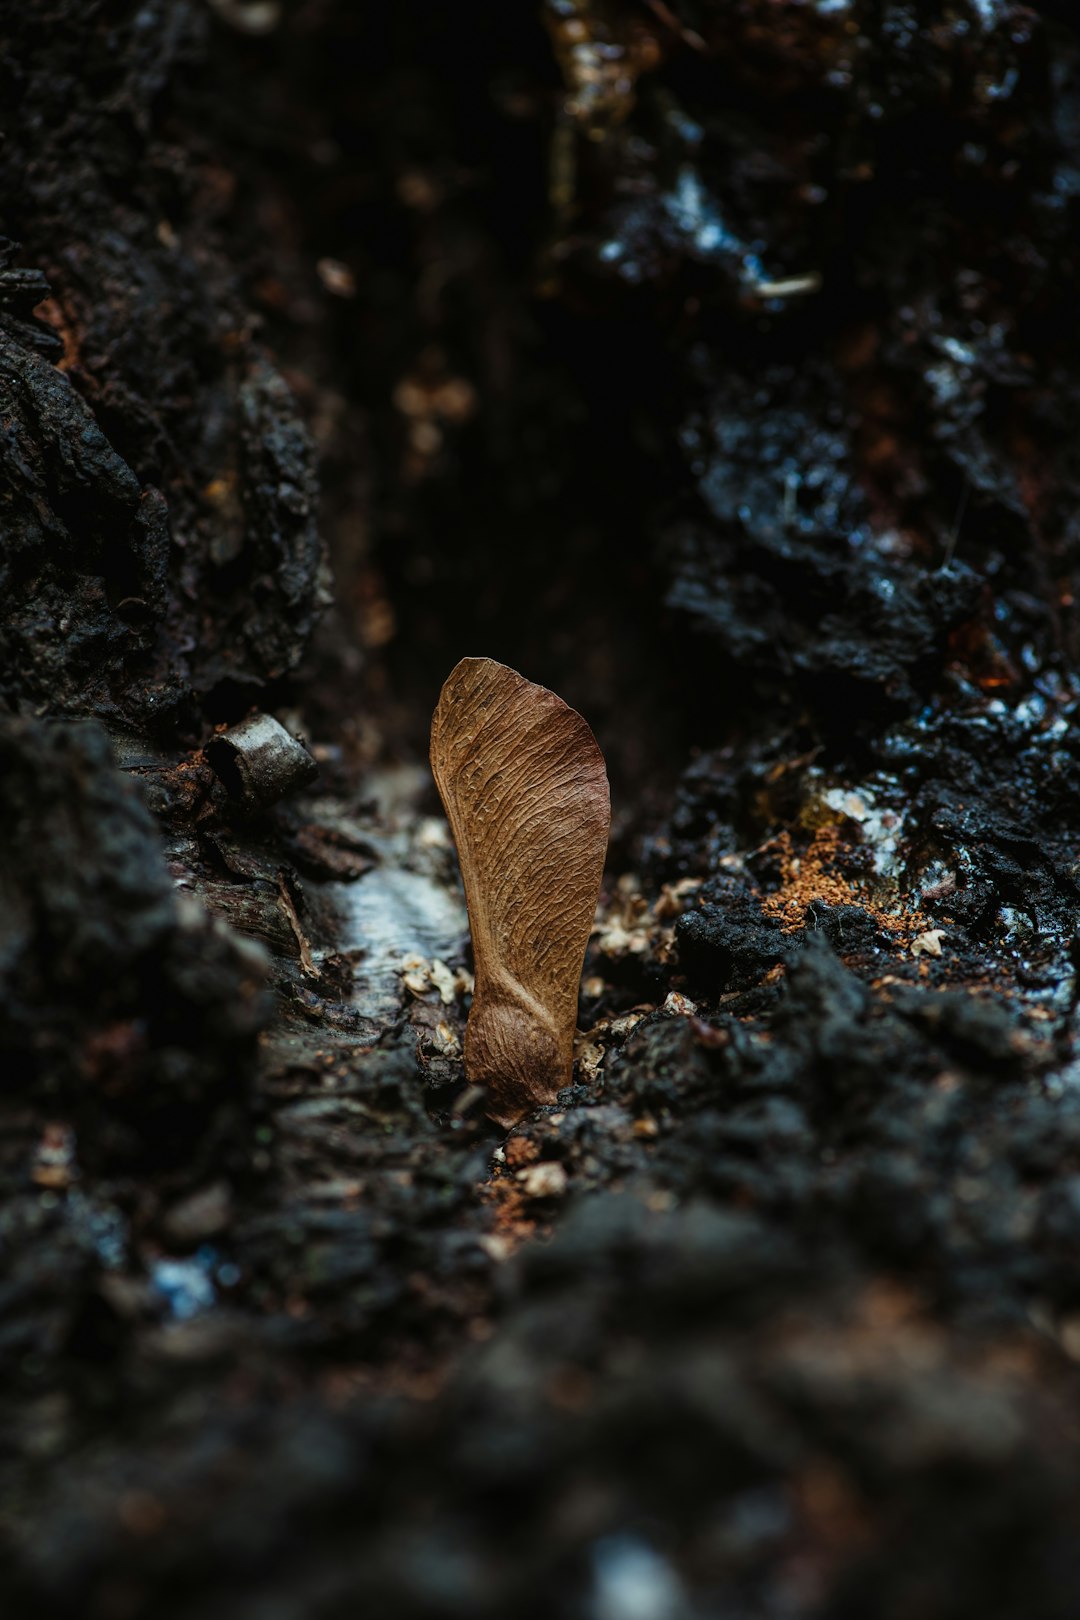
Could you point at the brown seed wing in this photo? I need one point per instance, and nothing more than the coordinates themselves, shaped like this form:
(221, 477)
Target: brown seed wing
(526, 794)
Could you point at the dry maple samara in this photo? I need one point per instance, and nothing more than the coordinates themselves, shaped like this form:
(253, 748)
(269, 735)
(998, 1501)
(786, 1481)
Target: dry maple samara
(525, 790)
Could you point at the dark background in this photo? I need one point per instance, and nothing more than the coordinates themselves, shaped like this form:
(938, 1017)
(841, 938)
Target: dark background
(717, 365)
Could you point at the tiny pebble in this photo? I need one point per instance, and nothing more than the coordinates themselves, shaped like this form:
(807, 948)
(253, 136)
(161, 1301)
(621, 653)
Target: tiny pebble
(544, 1180)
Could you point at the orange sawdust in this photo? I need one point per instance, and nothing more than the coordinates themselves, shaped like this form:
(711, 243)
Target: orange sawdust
(512, 1222)
(817, 874)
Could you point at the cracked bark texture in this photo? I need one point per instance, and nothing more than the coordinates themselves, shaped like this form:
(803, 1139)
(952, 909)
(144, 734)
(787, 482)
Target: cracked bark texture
(715, 363)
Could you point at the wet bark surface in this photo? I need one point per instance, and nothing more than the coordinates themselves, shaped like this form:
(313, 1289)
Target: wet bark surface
(714, 365)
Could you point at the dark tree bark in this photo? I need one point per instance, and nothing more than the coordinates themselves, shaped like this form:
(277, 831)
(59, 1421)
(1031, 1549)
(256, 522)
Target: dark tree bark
(716, 366)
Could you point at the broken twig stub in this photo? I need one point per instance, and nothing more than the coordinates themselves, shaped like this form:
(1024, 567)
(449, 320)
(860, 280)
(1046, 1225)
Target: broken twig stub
(258, 762)
(525, 790)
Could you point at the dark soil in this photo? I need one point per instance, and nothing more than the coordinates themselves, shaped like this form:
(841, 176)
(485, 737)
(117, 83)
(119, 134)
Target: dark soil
(717, 365)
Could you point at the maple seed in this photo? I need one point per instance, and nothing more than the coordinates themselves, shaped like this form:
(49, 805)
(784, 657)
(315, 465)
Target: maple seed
(526, 794)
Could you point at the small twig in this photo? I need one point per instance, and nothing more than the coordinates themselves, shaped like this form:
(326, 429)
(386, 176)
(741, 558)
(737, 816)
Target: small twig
(303, 945)
(669, 19)
(954, 535)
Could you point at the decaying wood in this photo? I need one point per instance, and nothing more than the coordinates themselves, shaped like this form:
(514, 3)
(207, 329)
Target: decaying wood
(785, 1303)
(526, 795)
